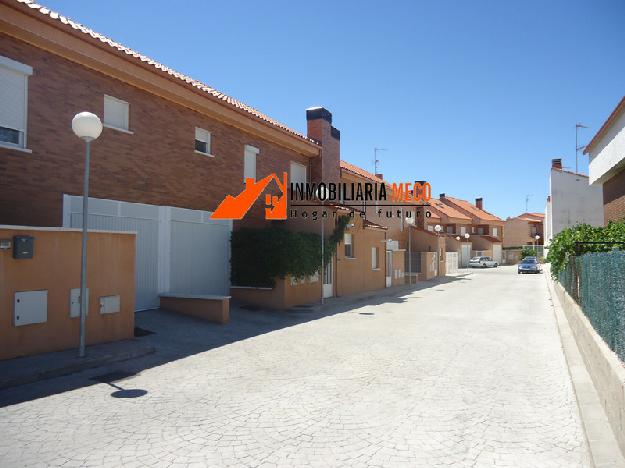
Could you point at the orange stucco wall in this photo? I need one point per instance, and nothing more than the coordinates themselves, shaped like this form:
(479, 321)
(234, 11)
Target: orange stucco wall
(55, 267)
(399, 263)
(356, 275)
(212, 310)
(283, 296)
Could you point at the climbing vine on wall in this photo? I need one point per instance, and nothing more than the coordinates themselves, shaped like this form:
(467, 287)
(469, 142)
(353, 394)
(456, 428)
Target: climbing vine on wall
(259, 256)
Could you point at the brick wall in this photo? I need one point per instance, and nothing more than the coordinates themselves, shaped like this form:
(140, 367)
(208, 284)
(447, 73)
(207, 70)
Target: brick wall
(614, 197)
(156, 164)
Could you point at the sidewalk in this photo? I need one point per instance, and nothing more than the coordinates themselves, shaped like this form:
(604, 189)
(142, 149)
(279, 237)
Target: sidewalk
(19, 371)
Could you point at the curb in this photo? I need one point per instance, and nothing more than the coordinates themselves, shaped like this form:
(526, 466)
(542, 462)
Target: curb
(24, 376)
(602, 445)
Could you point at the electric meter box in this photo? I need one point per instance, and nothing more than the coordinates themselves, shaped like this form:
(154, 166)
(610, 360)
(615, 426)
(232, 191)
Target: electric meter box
(23, 246)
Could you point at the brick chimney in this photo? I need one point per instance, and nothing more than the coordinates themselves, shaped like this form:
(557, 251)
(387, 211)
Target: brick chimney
(380, 176)
(441, 196)
(556, 164)
(479, 202)
(320, 129)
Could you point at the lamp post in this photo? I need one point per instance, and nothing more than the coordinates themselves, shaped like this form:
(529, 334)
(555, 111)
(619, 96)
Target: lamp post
(410, 222)
(459, 251)
(321, 194)
(438, 228)
(87, 127)
(466, 238)
(536, 244)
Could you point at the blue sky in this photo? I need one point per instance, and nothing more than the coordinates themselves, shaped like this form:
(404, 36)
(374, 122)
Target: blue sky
(474, 96)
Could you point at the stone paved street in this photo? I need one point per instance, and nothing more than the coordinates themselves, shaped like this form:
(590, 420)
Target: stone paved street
(467, 372)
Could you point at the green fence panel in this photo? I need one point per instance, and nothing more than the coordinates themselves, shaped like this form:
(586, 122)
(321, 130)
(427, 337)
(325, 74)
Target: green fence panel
(597, 282)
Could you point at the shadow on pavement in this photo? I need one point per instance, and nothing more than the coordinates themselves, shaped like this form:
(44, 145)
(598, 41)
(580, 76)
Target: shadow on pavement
(176, 336)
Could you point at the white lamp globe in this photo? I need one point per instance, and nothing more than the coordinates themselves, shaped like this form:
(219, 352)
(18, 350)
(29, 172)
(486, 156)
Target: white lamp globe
(87, 126)
(409, 220)
(466, 235)
(458, 238)
(537, 237)
(438, 228)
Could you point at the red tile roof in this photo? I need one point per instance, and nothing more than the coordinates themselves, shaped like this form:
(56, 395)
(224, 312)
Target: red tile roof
(532, 217)
(360, 172)
(620, 107)
(66, 23)
(474, 210)
(447, 210)
(369, 224)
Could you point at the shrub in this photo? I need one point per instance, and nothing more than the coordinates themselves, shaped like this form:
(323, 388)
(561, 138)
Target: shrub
(528, 252)
(562, 246)
(259, 256)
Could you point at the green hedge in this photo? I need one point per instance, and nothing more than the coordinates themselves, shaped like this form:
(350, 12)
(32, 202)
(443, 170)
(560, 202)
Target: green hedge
(562, 246)
(259, 256)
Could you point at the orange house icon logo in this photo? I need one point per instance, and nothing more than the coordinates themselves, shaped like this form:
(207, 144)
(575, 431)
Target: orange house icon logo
(236, 207)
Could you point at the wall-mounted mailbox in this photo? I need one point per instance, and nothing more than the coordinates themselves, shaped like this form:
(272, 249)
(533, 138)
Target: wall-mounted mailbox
(30, 307)
(23, 246)
(74, 302)
(109, 304)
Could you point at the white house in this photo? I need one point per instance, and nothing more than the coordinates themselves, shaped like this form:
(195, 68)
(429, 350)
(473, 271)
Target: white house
(572, 200)
(607, 163)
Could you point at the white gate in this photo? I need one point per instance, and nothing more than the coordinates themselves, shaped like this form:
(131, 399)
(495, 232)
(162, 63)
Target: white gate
(177, 250)
(451, 262)
(466, 255)
(497, 253)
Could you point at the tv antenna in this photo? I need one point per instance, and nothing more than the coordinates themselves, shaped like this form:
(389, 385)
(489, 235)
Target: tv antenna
(527, 200)
(376, 161)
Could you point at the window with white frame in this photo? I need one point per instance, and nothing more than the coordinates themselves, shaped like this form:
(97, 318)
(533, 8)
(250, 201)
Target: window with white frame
(463, 230)
(298, 173)
(249, 162)
(494, 232)
(116, 113)
(430, 228)
(375, 258)
(349, 247)
(202, 141)
(13, 102)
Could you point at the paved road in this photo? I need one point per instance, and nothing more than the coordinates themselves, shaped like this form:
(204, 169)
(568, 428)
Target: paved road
(465, 373)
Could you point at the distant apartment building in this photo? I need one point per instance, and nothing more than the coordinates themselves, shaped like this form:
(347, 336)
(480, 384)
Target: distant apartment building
(571, 201)
(525, 229)
(607, 163)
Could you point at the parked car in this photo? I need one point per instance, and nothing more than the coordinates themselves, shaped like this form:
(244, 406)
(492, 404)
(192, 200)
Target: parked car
(529, 265)
(482, 262)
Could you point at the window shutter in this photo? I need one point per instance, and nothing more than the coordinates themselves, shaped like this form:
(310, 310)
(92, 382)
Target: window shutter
(12, 99)
(298, 173)
(115, 112)
(249, 163)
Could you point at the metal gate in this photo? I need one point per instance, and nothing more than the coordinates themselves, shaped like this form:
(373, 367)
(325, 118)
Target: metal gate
(177, 249)
(451, 262)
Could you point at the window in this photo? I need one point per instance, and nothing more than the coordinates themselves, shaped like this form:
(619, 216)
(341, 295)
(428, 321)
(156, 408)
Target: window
(298, 173)
(450, 229)
(430, 228)
(480, 231)
(494, 232)
(463, 230)
(349, 248)
(375, 259)
(115, 113)
(202, 141)
(13, 102)
(249, 162)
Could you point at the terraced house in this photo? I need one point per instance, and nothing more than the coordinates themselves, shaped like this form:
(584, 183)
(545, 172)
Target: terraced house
(172, 148)
(486, 228)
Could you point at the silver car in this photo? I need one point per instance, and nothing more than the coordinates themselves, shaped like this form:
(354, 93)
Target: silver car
(482, 262)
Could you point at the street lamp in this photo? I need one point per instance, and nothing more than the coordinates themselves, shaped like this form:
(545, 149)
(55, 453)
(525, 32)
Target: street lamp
(87, 127)
(321, 195)
(410, 222)
(536, 244)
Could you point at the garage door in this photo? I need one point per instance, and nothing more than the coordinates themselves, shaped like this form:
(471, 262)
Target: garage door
(177, 250)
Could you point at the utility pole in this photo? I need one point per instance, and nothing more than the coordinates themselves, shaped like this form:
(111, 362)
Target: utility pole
(577, 148)
(375, 158)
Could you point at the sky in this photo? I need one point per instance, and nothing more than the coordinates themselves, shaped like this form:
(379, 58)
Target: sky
(475, 97)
